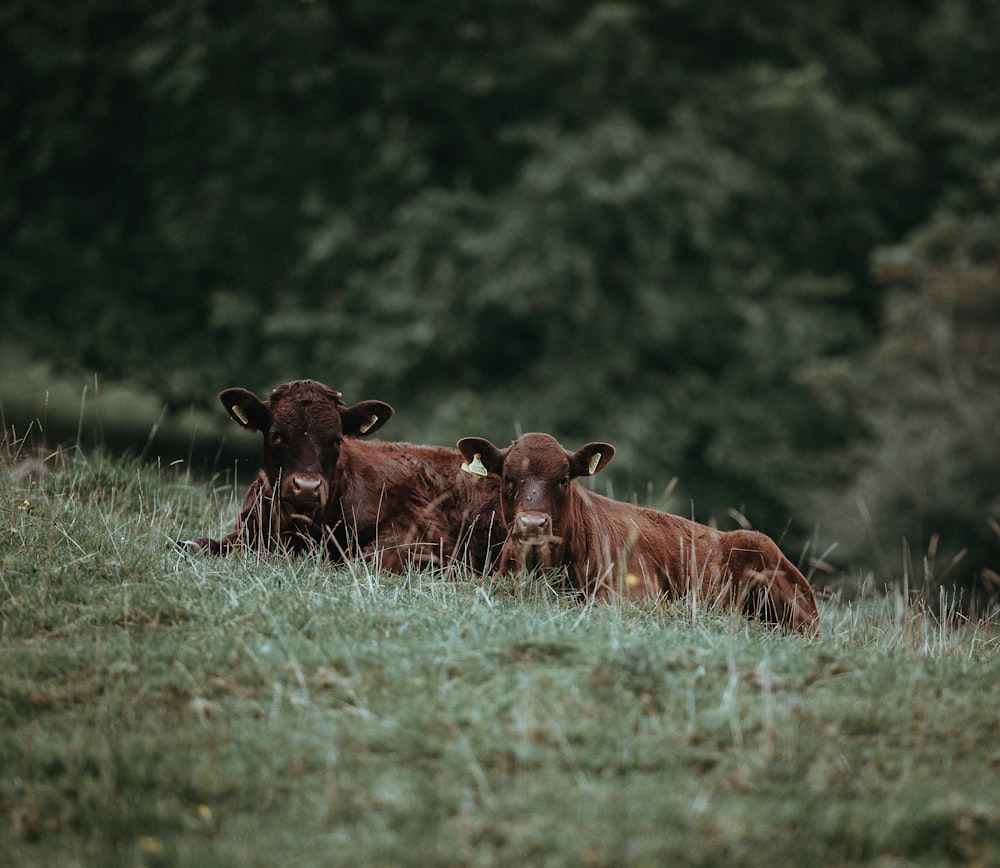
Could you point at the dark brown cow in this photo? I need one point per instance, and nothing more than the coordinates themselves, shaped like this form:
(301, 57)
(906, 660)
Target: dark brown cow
(323, 489)
(609, 547)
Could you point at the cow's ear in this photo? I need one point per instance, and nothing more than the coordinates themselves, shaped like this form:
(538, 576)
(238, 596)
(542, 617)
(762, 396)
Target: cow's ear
(590, 459)
(481, 457)
(246, 409)
(365, 417)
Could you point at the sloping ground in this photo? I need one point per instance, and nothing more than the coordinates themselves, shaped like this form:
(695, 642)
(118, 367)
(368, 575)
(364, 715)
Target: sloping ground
(159, 709)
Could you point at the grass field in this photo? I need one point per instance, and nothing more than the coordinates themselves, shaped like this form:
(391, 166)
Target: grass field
(159, 709)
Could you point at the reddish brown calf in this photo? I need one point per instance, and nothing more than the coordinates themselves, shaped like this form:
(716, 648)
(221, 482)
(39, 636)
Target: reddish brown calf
(321, 488)
(609, 547)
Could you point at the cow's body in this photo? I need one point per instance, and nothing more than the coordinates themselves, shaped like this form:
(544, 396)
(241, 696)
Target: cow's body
(323, 489)
(406, 504)
(608, 547)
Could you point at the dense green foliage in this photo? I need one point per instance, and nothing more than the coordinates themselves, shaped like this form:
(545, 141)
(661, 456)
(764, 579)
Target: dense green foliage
(157, 709)
(651, 223)
(932, 398)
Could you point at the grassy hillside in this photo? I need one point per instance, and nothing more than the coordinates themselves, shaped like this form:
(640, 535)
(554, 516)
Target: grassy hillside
(159, 709)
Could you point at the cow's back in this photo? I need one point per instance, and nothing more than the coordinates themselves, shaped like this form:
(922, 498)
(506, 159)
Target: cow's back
(621, 548)
(412, 504)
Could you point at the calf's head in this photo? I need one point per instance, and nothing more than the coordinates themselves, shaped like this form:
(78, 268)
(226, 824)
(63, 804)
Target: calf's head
(303, 423)
(536, 491)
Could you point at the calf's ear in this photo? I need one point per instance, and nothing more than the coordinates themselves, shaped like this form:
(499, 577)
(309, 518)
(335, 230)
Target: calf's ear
(365, 417)
(590, 459)
(246, 409)
(481, 456)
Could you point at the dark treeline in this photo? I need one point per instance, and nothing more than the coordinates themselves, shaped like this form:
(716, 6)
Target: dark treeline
(756, 247)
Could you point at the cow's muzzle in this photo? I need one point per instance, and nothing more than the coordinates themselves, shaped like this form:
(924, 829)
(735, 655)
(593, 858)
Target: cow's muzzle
(530, 545)
(304, 495)
(532, 528)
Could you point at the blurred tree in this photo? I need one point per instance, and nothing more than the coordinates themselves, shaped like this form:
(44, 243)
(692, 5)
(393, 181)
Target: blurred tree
(646, 274)
(930, 392)
(649, 222)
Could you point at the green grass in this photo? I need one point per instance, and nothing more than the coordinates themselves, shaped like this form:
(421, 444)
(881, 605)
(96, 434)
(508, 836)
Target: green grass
(158, 709)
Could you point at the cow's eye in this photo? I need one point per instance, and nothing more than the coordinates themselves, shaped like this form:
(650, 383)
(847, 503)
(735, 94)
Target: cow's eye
(564, 483)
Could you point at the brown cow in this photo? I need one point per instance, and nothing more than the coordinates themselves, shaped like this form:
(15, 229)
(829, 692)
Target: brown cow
(322, 488)
(610, 547)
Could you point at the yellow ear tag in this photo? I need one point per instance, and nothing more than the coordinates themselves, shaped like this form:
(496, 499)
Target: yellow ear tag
(368, 425)
(594, 461)
(476, 466)
(239, 414)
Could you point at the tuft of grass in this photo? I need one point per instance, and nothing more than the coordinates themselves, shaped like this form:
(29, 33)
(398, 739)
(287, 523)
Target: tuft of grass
(159, 709)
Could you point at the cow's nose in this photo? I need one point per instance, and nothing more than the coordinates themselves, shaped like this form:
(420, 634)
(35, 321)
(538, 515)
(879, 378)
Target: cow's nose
(531, 524)
(306, 489)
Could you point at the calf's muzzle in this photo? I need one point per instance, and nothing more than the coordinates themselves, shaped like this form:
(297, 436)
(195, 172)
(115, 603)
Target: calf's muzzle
(305, 493)
(532, 527)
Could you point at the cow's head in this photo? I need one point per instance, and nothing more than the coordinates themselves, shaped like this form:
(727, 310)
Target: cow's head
(303, 423)
(536, 490)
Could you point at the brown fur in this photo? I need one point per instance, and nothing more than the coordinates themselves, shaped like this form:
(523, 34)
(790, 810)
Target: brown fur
(609, 547)
(322, 488)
